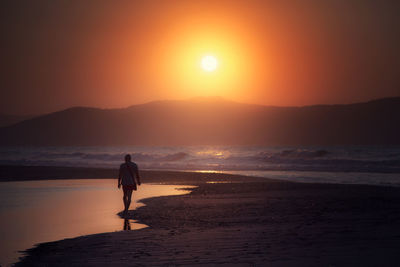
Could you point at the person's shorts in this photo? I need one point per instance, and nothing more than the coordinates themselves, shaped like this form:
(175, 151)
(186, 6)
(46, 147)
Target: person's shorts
(129, 187)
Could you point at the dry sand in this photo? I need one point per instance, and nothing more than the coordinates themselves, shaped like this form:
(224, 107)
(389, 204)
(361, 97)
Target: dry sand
(254, 223)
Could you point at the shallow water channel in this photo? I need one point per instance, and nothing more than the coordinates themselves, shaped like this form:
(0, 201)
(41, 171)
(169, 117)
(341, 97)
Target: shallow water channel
(34, 212)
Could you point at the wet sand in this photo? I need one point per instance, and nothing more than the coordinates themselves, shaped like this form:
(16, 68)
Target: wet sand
(33, 212)
(249, 222)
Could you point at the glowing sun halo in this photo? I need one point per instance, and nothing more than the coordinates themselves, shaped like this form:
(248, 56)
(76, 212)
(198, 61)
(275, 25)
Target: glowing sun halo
(209, 63)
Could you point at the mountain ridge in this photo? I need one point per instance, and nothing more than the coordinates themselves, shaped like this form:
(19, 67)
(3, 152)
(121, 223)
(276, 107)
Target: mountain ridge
(212, 122)
(8, 120)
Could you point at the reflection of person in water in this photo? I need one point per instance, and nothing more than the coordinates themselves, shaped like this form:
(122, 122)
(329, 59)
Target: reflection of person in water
(129, 179)
(127, 225)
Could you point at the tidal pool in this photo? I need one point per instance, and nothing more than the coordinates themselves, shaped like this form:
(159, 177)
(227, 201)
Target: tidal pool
(34, 212)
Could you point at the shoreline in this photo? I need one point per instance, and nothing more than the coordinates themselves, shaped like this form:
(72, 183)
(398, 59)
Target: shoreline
(14, 173)
(244, 221)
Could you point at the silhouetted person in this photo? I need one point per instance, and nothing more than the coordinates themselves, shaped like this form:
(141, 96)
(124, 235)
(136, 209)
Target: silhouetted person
(129, 179)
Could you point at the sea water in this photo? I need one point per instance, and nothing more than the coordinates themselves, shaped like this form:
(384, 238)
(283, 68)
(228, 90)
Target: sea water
(379, 165)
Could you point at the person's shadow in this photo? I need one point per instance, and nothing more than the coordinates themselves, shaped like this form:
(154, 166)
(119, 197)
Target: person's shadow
(127, 225)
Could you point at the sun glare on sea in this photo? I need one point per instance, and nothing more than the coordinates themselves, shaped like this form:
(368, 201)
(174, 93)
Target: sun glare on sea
(209, 63)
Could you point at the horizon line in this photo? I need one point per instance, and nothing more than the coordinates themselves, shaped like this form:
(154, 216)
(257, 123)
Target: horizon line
(204, 98)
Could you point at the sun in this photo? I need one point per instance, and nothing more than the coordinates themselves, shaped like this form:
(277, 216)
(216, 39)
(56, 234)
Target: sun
(209, 63)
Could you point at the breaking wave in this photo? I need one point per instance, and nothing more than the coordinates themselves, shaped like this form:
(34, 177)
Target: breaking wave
(358, 159)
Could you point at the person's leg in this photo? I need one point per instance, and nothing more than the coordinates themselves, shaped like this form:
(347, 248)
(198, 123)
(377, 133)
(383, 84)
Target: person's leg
(125, 200)
(129, 198)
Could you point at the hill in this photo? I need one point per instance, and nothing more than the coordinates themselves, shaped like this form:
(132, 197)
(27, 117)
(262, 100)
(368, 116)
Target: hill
(213, 122)
(7, 120)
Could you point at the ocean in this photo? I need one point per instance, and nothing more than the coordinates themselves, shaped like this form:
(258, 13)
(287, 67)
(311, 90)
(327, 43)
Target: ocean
(377, 165)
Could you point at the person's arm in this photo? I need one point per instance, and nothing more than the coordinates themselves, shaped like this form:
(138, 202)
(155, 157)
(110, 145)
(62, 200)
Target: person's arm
(137, 175)
(119, 178)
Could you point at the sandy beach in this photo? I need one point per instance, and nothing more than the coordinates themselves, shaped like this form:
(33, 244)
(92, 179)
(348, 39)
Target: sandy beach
(265, 133)
(240, 221)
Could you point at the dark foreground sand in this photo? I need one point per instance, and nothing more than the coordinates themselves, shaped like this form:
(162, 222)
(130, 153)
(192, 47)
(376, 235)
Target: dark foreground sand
(254, 223)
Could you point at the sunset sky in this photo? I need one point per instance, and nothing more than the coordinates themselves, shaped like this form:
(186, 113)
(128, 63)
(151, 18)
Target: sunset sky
(58, 54)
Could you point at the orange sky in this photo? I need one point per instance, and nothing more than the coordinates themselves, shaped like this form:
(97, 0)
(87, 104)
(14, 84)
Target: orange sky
(119, 53)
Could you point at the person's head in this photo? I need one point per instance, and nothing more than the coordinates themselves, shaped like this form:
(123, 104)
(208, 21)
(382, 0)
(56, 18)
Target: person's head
(127, 158)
